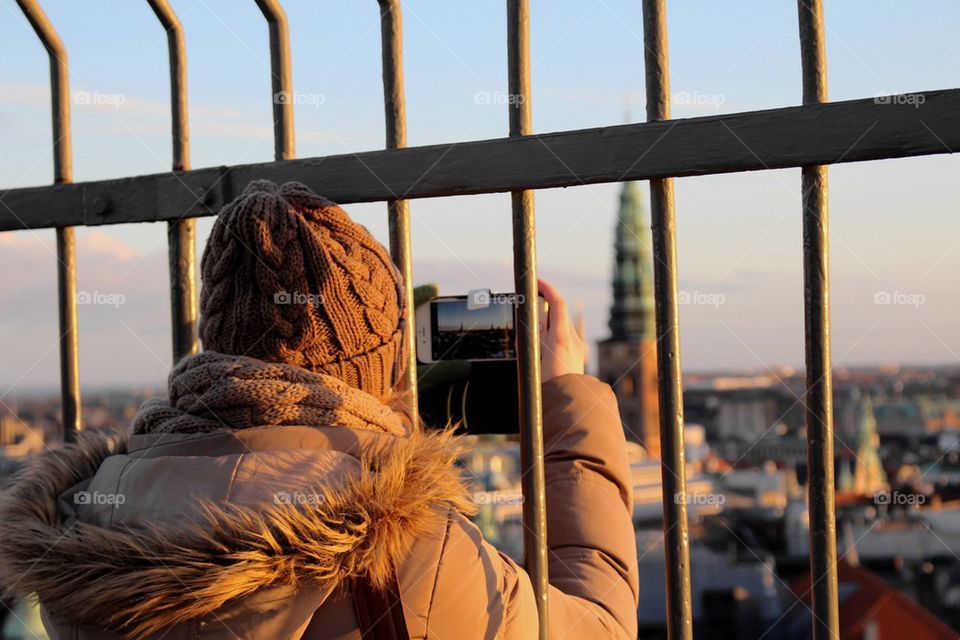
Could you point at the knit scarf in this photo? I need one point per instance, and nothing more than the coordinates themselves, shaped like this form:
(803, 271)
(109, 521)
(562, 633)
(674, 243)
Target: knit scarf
(212, 391)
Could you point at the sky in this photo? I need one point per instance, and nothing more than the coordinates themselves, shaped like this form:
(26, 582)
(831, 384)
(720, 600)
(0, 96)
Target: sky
(457, 315)
(895, 233)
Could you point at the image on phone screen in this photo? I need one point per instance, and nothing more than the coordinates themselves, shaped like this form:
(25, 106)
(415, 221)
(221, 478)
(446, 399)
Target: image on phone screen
(461, 333)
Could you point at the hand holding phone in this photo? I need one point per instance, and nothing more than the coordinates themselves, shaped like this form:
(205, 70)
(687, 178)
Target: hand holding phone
(562, 351)
(467, 347)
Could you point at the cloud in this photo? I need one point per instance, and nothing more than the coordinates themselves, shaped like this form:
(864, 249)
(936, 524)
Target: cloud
(97, 242)
(587, 95)
(123, 311)
(24, 94)
(121, 114)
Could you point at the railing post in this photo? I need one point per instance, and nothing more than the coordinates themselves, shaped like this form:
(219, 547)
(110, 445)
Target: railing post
(181, 234)
(816, 299)
(398, 211)
(66, 246)
(528, 329)
(663, 223)
(282, 79)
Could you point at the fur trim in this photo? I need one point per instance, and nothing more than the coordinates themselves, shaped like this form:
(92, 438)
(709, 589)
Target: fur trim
(142, 580)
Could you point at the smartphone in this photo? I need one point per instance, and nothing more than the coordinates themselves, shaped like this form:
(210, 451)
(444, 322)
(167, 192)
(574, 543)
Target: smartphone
(477, 327)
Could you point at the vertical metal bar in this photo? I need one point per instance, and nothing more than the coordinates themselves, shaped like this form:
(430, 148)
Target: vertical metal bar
(282, 83)
(398, 211)
(66, 247)
(663, 223)
(181, 234)
(816, 299)
(528, 329)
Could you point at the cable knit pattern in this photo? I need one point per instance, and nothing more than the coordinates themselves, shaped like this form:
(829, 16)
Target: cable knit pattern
(210, 391)
(288, 277)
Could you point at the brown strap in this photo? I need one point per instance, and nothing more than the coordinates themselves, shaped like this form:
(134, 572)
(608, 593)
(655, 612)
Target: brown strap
(379, 611)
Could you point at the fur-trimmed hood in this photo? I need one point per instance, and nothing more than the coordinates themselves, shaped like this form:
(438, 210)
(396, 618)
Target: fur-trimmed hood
(130, 571)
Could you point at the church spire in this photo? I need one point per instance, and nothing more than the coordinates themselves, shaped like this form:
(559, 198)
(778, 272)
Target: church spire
(631, 316)
(869, 476)
(627, 360)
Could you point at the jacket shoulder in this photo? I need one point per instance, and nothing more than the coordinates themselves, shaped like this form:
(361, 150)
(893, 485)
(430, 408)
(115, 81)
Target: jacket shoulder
(455, 584)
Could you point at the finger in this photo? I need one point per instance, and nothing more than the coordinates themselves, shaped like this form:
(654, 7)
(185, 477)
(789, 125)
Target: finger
(557, 306)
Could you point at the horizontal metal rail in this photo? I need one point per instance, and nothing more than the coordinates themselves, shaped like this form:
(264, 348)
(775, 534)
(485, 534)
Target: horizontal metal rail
(856, 130)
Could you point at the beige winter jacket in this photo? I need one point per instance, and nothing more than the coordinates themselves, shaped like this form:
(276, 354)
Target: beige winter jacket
(256, 533)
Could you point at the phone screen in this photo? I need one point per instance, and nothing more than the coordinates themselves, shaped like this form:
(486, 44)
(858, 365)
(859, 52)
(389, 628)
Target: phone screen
(461, 333)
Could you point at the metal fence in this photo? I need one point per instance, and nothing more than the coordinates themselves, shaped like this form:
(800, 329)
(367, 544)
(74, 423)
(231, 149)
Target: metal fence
(810, 136)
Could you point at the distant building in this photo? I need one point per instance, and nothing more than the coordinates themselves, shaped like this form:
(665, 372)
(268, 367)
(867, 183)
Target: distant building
(702, 497)
(18, 439)
(870, 609)
(765, 489)
(732, 595)
(749, 419)
(922, 535)
(627, 360)
(868, 477)
(901, 417)
(746, 414)
(787, 451)
(945, 414)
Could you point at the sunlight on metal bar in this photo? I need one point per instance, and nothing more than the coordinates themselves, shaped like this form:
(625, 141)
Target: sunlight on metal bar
(528, 330)
(181, 234)
(66, 245)
(816, 300)
(398, 211)
(663, 222)
(282, 79)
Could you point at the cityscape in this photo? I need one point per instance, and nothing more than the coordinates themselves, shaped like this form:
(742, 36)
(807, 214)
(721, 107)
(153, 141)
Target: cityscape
(268, 353)
(897, 470)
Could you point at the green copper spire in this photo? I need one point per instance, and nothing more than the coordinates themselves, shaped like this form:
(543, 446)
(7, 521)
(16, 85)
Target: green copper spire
(631, 316)
(869, 476)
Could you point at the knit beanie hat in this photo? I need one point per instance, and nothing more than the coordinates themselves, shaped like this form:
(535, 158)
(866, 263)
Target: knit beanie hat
(289, 277)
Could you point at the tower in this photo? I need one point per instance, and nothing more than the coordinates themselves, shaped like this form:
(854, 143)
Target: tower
(627, 360)
(868, 476)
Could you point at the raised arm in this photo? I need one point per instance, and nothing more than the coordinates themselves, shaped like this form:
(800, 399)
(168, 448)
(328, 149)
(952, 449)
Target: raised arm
(592, 546)
(479, 593)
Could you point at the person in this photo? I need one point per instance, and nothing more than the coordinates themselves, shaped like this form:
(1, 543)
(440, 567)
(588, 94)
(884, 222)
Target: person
(278, 492)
